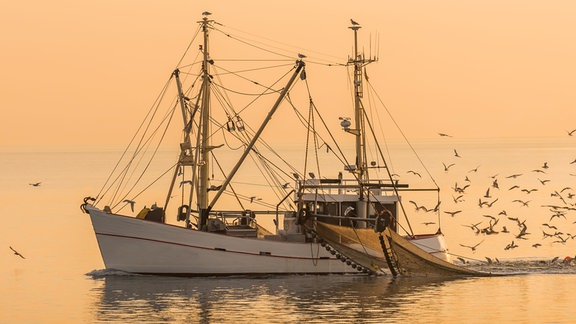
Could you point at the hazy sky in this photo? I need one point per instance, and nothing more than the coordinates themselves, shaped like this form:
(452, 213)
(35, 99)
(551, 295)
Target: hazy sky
(77, 72)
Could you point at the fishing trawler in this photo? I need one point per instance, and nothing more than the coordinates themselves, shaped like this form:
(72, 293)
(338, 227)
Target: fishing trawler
(213, 225)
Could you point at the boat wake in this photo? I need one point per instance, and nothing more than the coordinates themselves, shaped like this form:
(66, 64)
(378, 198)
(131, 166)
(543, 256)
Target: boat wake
(525, 267)
(103, 273)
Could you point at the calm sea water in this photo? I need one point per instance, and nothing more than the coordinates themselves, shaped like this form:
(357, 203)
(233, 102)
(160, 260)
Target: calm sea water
(63, 279)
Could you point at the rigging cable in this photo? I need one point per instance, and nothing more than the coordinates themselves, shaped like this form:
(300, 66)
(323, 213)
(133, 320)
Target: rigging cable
(411, 148)
(153, 154)
(296, 49)
(103, 191)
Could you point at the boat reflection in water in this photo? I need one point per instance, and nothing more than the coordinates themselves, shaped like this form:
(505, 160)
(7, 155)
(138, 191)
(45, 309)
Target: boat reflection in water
(267, 298)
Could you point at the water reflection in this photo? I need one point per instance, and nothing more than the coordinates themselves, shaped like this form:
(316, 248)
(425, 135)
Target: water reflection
(276, 299)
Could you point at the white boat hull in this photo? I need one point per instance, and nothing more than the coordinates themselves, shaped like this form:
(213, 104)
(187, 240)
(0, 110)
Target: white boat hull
(140, 246)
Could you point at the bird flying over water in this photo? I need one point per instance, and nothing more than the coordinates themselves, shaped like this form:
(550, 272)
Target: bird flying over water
(473, 248)
(524, 203)
(474, 170)
(17, 253)
(447, 167)
(452, 213)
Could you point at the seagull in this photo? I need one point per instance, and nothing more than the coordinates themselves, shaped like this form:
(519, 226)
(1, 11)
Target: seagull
(301, 55)
(474, 227)
(495, 184)
(446, 167)
(528, 191)
(452, 213)
(458, 189)
(487, 195)
(457, 199)
(511, 246)
(444, 135)
(524, 203)
(17, 253)
(473, 248)
(545, 166)
(571, 132)
(311, 175)
(131, 202)
(214, 188)
(414, 173)
(554, 260)
(543, 182)
(348, 210)
(474, 170)
(428, 223)
(456, 153)
(185, 181)
(514, 176)
(36, 184)
(284, 186)
(254, 198)
(206, 13)
(354, 22)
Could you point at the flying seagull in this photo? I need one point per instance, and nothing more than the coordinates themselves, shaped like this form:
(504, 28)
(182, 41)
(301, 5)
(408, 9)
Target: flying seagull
(36, 184)
(444, 135)
(473, 248)
(571, 132)
(17, 253)
(131, 202)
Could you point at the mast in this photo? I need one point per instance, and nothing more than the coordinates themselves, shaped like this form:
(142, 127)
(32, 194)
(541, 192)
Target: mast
(204, 132)
(359, 61)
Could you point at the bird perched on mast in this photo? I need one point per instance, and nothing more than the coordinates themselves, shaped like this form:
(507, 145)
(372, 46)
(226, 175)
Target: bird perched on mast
(354, 22)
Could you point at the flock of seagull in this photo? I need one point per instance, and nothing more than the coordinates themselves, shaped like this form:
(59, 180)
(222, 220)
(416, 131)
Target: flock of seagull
(537, 215)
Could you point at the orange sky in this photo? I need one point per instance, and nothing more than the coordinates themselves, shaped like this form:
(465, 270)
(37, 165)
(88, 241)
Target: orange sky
(473, 69)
